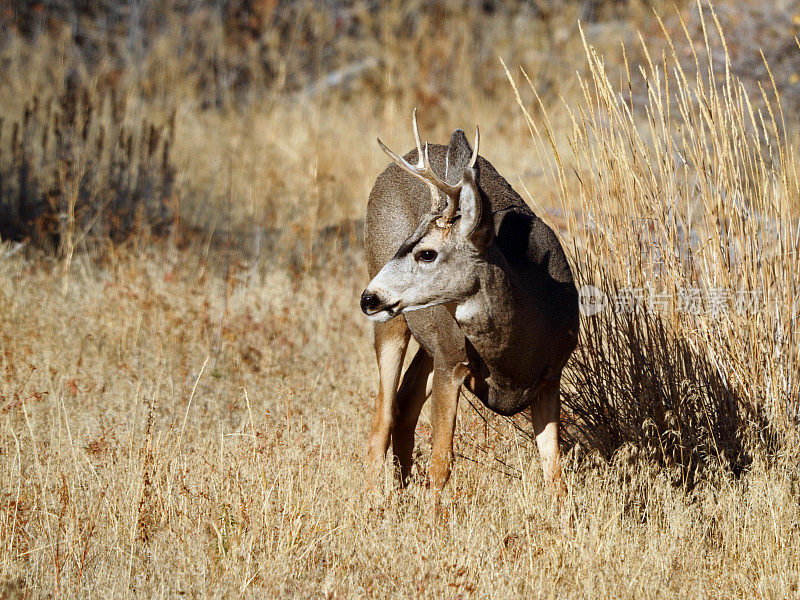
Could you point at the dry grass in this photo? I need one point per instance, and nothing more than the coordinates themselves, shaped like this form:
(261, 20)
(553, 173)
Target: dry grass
(131, 470)
(185, 416)
(689, 192)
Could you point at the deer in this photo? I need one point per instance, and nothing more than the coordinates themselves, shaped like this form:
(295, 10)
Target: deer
(459, 262)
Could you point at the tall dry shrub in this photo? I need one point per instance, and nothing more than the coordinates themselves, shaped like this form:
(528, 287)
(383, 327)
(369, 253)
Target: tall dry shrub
(682, 195)
(81, 165)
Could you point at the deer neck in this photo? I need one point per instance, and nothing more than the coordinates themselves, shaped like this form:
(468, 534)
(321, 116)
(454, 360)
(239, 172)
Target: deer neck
(497, 320)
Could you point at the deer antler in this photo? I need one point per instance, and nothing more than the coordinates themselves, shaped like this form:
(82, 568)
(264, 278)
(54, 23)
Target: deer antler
(423, 171)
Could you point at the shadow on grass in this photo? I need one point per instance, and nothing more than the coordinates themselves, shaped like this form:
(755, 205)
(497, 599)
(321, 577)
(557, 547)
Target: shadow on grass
(633, 381)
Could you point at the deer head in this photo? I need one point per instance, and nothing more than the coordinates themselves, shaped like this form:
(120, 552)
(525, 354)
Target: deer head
(436, 264)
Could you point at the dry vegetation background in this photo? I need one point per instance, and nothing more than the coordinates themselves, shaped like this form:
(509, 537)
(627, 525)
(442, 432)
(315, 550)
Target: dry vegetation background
(186, 376)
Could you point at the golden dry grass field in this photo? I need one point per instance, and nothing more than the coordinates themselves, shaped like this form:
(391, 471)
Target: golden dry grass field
(187, 379)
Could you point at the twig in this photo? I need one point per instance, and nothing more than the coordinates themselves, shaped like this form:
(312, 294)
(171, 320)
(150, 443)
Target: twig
(14, 249)
(339, 77)
(191, 397)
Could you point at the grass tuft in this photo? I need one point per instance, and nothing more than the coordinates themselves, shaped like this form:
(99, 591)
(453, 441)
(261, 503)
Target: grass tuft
(79, 168)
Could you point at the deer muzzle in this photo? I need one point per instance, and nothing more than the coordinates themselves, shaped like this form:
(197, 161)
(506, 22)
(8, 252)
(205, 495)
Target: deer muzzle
(376, 308)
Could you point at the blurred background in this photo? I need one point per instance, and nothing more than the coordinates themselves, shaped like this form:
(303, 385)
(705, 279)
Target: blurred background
(227, 114)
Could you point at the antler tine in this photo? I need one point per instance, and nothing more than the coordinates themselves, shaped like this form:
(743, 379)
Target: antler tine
(450, 190)
(422, 163)
(474, 157)
(417, 138)
(433, 184)
(415, 170)
(422, 170)
(401, 162)
(437, 184)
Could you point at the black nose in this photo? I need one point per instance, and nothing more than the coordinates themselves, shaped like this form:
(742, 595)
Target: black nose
(369, 302)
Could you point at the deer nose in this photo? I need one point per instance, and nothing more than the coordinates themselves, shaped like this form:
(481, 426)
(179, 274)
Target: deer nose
(369, 302)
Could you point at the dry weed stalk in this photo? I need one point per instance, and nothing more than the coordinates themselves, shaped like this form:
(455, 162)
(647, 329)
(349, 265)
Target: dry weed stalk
(82, 168)
(693, 191)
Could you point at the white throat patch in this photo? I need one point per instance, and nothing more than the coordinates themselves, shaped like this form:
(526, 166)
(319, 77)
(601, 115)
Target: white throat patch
(467, 310)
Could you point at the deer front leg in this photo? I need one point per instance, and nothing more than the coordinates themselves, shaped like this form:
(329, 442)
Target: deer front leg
(444, 406)
(391, 341)
(411, 397)
(545, 413)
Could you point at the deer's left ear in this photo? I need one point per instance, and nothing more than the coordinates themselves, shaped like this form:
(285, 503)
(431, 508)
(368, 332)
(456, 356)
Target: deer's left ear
(476, 214)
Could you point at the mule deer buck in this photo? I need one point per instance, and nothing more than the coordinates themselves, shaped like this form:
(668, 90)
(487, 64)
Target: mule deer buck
(460, 262)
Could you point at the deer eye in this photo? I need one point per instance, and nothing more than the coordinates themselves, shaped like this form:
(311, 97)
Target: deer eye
(426, 255)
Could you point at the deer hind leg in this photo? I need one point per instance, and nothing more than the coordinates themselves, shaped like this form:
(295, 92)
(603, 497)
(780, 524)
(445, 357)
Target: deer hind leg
(411, 397)
(444, 407)
(545, 413)
(391, 341)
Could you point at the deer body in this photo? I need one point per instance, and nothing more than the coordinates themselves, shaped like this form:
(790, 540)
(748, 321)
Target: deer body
(484, 287)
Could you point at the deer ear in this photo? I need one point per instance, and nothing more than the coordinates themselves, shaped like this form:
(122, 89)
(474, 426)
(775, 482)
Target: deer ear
(476, 215)
(457, 156)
